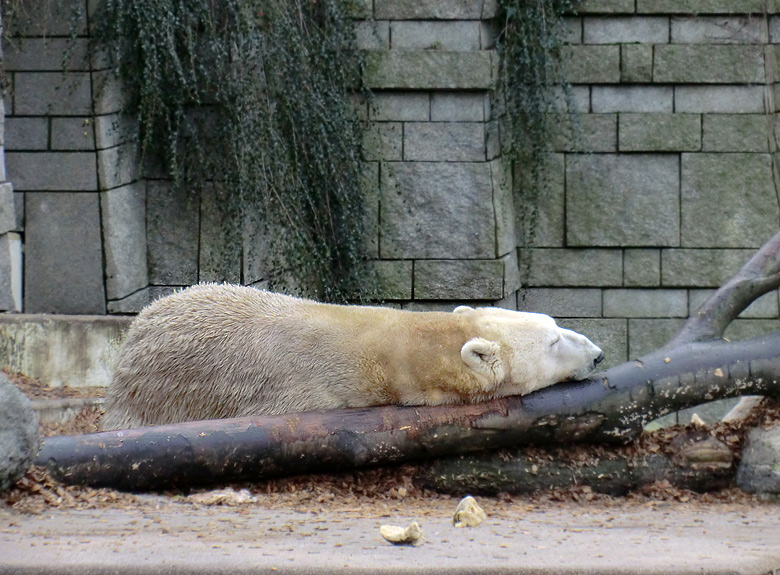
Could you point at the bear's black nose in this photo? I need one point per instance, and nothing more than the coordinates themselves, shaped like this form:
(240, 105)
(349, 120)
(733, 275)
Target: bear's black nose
(599, 359)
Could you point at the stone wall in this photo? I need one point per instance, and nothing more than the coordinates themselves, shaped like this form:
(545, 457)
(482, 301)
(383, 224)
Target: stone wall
(661, 183)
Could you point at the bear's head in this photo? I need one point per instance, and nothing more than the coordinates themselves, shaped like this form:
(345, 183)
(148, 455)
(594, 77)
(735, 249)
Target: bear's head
(519, 352)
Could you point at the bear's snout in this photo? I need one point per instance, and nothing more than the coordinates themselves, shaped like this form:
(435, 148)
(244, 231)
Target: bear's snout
(599, 359)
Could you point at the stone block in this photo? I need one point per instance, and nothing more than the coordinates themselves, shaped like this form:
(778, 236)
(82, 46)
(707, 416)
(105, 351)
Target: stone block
(607, 99)
(572, 267)
(46, 55)
(458, 279)
(8, 215)
(572, 30)
(45, 18)
(605, 7)
(641, 267)
(19, 434)
(649, 334)
(649, 303)
(171, 234)
(561, 302)
(72, 134)
(119, 165)
(625, 30)
(659, 132)
(744, 183)
(764, 307)
(372, 35)
(774, 29)
(430, 69)
(636, 63)
(512, 280)
(114, 129)
(617, 200)
(52, 93)
(459, 107)
(400, 107)
(26, 134)
(503, 205)
(709, 64)
(489, 31)
(719, 99)
(383, 141)
(444, 142)
(430, 10)
(48, 171)
(701, 6)
(394, 279)
(701, 267)
(611, 335)
(437, 210)
(10, 272)
(584, 133)
(63, 268)
(453, 36)
(137, 301)
(110, 97)
(759, 468)
(592, 64)
(256, 252)
(741, 329)
(716, 30)
(124, 239)
(736, 132)
(369, 183)
(219, 249)
(539, 215)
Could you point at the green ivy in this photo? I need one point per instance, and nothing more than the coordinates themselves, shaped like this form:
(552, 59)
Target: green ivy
(255, 98)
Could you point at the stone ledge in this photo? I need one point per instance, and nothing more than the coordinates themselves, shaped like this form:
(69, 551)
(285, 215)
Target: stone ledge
(430, 69)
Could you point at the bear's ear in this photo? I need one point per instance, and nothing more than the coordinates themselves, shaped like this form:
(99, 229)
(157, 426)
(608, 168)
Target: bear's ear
(462, 309)
(483, 356)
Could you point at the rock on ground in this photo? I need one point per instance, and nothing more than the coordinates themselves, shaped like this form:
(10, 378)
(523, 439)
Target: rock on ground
(18, 433)
(759, 471)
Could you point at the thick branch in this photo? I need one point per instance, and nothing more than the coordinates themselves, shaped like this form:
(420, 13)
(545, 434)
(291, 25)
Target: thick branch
(758, 276)
(614, 406)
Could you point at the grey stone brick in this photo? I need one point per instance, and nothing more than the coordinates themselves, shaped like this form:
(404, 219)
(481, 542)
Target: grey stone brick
(370, 185)
(52, 93)
(645, 303)
(512, 280)
(540, 211)
(437, 210)
(139, 300)
(430, 69)
(503, 205)
(573, 267)
(219, 253)
(394, 279)
(605, 7)
(736, 132)
(774, 29)
(45, 18)
(561, 302)
(741, 329)
(632, 99)
(429, 10)
(110, 96)
(636, 63)
(459, 107)
(63, 269)
(701, 267)
(623, 30)
(455, 36)
(617, 200)
(659, 132)
(444, 141)
(72, 134)
(744, 182)
(372, 35)
(124, 239)
(383, 141)
(592, 64)
(361, 9)
(458, 279)
(114, 129)
(611, 335)
(401, 107)
(118, 166)
(26, 133)
(572, 30)
(576, 99)
(641, 267)
(171, 235)
(488, 33)
(711, 64)
(719, 99)
(46, 54)
(716, 30)
(700, 6)
(10, 272)
(584, 133)
(649, 334)
(8, 218)
(764, 307)
(37, 171)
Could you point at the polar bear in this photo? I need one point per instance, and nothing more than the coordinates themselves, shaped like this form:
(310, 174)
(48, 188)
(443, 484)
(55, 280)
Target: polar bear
(217, 350)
